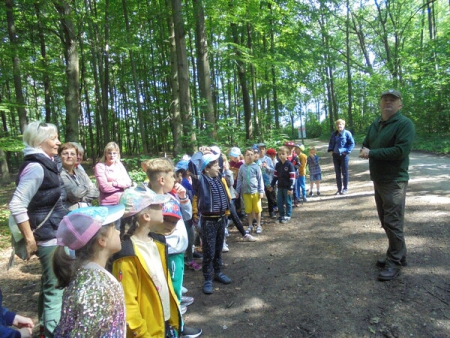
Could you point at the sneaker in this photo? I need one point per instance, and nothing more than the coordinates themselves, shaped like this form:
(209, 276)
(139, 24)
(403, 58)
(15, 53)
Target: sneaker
(338, 193)
(190, 332)
(258, 230)
(249, 229)
(310, 193)
(225, 247)
(318, 193)
(186, 301)
(226, 232)
(344, 192)
(272, 215)
(183, 309)
(194, 266)
(248, 238)
(184, 290)
(287, 218)
(283, 220)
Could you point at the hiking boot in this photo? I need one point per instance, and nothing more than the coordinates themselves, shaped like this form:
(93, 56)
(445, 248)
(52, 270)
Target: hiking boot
(388, 274)
(381, 263)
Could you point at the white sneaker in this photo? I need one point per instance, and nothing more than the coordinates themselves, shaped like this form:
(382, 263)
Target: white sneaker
(225, 247)
(183, 309)
(248, 238)
(258, 230)
(184, 290)
(287, 218)
(226, 232)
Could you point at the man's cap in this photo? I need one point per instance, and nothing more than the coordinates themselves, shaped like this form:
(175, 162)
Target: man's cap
(172, 208)
(235, 152)
(289, 144)
(136, 199)
(261, 145)
(183, 164)
(78, 227)
(271, 152)
(393, 92)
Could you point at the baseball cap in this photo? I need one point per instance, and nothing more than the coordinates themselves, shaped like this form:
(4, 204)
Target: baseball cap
(136, 199)
(393, 92)
(261, 145)
(80, 225)
(206, 159)
(271, 152)
(172, 208)
(235, 152)
(300, 146)
(289, 144)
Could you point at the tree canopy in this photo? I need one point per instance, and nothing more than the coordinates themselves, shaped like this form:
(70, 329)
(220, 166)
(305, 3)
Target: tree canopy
(167, 76)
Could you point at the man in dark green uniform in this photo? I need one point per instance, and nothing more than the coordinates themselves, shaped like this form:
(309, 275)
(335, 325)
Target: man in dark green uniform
(387, 146)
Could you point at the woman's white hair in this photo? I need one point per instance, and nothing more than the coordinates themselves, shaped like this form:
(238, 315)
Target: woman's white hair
(37, 132)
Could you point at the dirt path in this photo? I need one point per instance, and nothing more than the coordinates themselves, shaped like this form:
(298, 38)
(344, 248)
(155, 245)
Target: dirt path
(316, 276)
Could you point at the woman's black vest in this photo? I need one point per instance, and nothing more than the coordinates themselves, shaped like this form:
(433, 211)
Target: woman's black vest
(48, 195)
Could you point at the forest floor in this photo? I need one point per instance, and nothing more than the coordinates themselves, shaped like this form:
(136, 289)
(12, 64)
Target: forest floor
(316, 276)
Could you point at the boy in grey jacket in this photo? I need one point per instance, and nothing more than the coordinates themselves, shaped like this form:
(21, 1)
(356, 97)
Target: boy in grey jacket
(250, 184)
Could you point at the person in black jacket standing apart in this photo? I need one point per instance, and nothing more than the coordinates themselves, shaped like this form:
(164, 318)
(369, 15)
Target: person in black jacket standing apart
(387, 146)
(341, 145)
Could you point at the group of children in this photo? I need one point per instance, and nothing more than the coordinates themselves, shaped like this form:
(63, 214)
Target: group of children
(147, 239)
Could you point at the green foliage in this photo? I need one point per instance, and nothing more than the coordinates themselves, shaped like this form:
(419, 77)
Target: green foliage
(435, 143)
(137, 176)
(5, 234)
(11, 143)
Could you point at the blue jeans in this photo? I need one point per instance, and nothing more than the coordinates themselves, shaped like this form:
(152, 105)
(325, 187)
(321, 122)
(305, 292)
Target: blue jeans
(300, 187)
(390, 199)
(283, 198)
(341, 169)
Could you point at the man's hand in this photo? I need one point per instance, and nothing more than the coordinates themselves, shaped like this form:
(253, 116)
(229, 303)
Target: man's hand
(290, 192)
(364, 152)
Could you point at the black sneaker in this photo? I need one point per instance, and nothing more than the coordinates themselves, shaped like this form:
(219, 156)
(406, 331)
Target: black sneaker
(190, 332)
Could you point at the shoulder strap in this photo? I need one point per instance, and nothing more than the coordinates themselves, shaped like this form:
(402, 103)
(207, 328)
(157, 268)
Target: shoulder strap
(46, 218)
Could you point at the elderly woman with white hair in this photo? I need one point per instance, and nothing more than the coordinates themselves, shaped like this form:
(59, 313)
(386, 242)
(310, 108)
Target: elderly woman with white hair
(37, 208)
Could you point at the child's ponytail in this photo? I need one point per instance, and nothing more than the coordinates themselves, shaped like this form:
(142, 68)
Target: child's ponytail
(63, 267)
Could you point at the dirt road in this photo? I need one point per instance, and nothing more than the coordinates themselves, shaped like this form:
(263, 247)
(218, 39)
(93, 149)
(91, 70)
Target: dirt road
(316, 276)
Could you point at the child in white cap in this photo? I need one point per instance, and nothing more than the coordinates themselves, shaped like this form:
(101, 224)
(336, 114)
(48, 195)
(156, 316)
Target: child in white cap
(93, 301)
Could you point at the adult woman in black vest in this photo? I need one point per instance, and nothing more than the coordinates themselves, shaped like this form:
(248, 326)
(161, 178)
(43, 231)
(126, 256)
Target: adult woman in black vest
(37, 209)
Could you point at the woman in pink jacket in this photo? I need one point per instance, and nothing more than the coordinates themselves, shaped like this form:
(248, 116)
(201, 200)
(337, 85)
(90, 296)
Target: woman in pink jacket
(112, 177)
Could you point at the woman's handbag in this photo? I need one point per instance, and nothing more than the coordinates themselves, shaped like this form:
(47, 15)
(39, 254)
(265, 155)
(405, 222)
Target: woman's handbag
(19, 248)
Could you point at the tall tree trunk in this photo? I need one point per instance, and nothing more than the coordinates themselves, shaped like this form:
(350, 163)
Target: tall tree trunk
(243, 83)
(23, 118)
(183, 75)
(349, 71)
(177, 127)
(72, 94)
(141, 118)
(253, 77)
(45, 77)
(204, 74)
